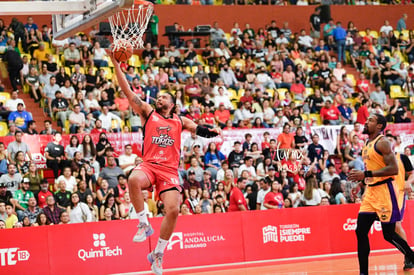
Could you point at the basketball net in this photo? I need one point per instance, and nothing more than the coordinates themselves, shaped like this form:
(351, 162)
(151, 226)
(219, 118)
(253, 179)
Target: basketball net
(130, 24)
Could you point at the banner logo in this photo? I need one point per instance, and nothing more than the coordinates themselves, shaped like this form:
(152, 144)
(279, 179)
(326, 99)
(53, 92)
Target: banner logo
(101, 250)
(193, 240)
(286, 233)
(10, 256)
(351, 225)
(270, 234)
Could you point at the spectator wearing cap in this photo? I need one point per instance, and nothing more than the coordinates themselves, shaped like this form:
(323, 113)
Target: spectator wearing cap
(330, 113)
(5, 195)
(191, 182)
(20, 117)
(60, 108)
(43, 194)
(22, 197)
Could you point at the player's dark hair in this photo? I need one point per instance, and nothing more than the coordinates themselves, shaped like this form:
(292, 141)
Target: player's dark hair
(381, 120)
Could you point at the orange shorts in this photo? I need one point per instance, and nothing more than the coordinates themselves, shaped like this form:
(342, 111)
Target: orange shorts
(383, 200)
(164, 178)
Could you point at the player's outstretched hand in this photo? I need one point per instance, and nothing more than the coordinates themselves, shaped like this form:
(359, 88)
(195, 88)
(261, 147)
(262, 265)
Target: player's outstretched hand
(111, 55)
(356, 175)
(216, 130)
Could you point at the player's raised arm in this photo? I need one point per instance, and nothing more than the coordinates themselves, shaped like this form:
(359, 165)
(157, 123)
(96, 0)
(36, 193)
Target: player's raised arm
(200, 130)
(142, 108)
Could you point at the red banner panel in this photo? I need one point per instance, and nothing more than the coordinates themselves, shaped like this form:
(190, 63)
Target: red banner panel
(203, 240)
(96, 248)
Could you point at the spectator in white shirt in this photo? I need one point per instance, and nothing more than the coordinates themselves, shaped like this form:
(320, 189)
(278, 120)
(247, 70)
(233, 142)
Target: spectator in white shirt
(221, 98)
(106, 117)
(92, 105)
(229, 79)
(220, 84)
(386, 28)
(68, 91)
(305, 40)
(11, 103)
(76, 119)
(127, 159)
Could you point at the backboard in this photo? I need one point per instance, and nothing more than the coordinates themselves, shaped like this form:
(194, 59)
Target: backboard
(66, 25)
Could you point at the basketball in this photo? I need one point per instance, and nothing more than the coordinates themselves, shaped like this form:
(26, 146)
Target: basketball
(122, 50)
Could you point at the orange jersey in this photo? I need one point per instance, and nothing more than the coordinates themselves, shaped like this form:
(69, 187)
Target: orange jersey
(373, 160)
(162, 140)
(400, 178)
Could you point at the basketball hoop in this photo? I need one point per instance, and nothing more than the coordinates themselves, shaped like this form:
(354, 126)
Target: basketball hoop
(130, 24)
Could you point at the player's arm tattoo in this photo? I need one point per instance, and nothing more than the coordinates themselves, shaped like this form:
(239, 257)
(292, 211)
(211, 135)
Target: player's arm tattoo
(137, 100)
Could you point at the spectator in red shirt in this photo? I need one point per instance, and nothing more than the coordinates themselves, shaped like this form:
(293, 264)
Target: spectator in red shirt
(362, 84)
(98, 127)
(274, 199)
(362, 113)
(43, 193)
(247, 96)
(208, 117)
(237, 199)
(330, 114)
(222, 115)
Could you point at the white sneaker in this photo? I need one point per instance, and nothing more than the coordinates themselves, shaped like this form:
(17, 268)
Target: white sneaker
(156, 262)
(143, 232)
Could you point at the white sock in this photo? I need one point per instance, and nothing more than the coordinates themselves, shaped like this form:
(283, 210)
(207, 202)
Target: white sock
(142, 217)
(160, 246)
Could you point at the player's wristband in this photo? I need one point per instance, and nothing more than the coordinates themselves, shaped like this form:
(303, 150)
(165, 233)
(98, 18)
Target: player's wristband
(368, 174)
(203, 131)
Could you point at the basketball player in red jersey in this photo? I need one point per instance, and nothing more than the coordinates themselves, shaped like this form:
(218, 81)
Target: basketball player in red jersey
(161, 155)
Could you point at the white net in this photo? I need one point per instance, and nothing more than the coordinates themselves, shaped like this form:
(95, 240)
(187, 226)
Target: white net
(130, 24)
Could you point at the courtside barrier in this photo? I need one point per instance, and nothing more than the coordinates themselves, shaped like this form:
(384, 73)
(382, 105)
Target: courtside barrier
(198, 240)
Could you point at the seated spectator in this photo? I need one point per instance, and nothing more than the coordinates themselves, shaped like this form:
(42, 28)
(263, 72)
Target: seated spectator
(54, 154)
(99, 55)
(32, 211)
(274, 198)
(67, 90)
(13, 101)
(32, 80)
(12, 219)
(337, 192)
(329, 174)
(111, 204)
(106, 119)
(76, 120)
(78, 211)
(330, 114)
(72, 55)
(379, 97)
(390, 77)
(48, 128)
(311, 195)
(20, 117)
(51, 210)
(399, 112)
(68, 179)
(110, 173)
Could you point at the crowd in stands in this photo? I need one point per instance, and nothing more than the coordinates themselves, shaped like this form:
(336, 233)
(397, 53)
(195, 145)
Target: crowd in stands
(266, 78)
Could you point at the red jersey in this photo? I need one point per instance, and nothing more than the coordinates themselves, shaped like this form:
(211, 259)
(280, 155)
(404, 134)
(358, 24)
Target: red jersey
(330, 114)
(362, 84)
(41, 198)
(236, 198)
(274, 199)
(162, 140)
(362, 115)
(208, 118)
(98, 131)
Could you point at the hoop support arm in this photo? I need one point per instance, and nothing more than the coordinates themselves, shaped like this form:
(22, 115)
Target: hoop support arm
(43, 7)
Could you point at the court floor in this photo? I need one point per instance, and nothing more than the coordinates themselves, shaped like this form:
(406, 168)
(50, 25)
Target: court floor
(381, 263)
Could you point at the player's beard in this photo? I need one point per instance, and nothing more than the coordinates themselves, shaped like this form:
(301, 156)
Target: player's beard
(365, 130)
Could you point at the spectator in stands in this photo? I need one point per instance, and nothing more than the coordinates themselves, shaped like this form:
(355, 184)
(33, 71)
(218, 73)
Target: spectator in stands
(20, 117)
(217, 35)
(48, 128)
(353, 154)
(51, 64)
(229, 78)
(92, 105)
(49, 92)
(212, 159)
(339, 34)
(72, 55)
(32, 80)
(286, 139)
(127, 159)
(237, 200)
(76, 120)
(329, 174)
(363, 113)
(121, 189)
(330, 114)
(111, 204)
(43, 193)
(386, 28)
(3, 214)
(315, 150)
(248, 166)
(62, 196)
(337, 191)
(106, 119)
(378, 96)
(22, 199)
(68, 179)
(401, 24)
(54, 154)
(51, 210)
(67, 90)
(41, 54)
(32, 211)
(399, 112)
(14, 65)
(11, 103)
(110, 173)
(222, 115)
(12, 179)
(16, 146)
(99, 56)
(60, 108)
(391, 77)
(12, 219)
(78, 211)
